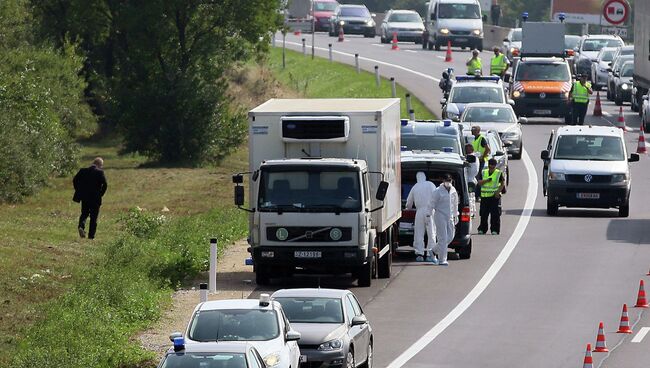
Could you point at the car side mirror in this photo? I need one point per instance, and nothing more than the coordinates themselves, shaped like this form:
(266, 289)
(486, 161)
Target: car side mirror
(239, 195)
(499, 153)
(545, 155)
(523, 120)
(359, 320)
(292, 335)
(511, 102)
(634, 157)
(382, 190)
(506, 40)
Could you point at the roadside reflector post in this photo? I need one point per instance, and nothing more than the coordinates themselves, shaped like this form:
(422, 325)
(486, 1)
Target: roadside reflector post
(356, 63)
(213, 266)
(411, 114)
(330, 47)
(203, 292)
(377, 80)
(273, 39)
(393, 87)
(409, 107)
(304, 47)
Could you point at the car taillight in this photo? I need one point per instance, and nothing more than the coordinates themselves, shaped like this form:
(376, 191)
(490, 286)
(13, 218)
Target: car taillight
(408, 215)
(570, 52)
(465, 216)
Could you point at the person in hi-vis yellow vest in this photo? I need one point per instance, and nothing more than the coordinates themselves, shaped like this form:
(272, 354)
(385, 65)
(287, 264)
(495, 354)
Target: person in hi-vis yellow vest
(579, 97)
(474, 64)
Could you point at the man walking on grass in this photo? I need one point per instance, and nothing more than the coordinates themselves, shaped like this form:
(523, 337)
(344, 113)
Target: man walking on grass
(89, 188)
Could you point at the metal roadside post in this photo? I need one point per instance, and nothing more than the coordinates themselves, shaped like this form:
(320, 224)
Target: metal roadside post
(213, 266)
(313, 31)
(304, 47)
(203, 292)
(273, 39)
(411, 114)
(356, 63)
(377, 80)
(330, 51)
(393, 87)
(284, 48)
(409, 107)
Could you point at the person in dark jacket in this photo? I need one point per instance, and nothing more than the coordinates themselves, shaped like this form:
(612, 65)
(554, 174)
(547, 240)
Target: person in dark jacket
(89, 188)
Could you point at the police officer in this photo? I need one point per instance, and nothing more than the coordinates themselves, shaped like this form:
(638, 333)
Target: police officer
(474, 64)
(492, 186)
(482, 151)
(498, 63)
(579, 97)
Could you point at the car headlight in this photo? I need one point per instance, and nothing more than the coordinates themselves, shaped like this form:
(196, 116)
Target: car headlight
(625, 86)
(341, 22)
(618, 178)
(452, 115)
(370, 22)
(476, 32)
(556, 176)
(444, 31)
(272, 359)
(331, 345)
(517, 94)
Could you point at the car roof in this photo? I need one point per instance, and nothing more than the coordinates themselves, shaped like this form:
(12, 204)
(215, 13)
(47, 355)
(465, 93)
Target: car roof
(478, 83)
(572, 36)
(430, 128)
(457, 1)
(353, 6)
(420, 155)
(601, 36)
(405, 11)
(487, 104)
(238, 347)
(235, 304)
(590, 130)
(543, 60)
(310, 293)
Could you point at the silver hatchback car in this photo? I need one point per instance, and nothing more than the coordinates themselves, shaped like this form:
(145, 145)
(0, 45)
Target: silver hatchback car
(500, 118)
(405, 24)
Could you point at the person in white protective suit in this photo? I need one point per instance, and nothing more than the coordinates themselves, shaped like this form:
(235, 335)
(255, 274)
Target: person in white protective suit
(445, 207)
(421, 195)
(471, 172)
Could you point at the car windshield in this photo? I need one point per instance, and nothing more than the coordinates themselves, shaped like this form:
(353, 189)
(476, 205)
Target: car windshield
(309, 189)
(430, 143)
(325, 5)
(621, 60)
(607, 55)
(471, 94)
(542, 72)
(589, 147)
(234, 325)
(570, 42)
(627, 70)
(212, 360)
(459, 11)
(489, 115)
(627, 51)
(516, 35)
(405, 18)
(312, 310)
(355, 12)
(595, 44)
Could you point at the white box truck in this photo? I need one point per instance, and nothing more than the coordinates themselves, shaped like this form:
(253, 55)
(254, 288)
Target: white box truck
(641, 78)
(324, 187)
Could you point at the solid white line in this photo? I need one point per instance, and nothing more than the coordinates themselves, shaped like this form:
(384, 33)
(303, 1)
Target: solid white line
(641, 334)
(441, 57)
(377, 44)
(371, 60)
(413, 51)
(487, 278)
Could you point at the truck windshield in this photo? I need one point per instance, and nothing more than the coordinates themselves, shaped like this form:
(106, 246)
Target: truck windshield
(355, 12)
(589, 147)
(430, 143)
(459, 11)
(325, 5)
(542, 72)
(310, 189)
(471, 94)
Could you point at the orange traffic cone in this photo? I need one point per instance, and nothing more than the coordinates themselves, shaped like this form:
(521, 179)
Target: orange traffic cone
(624, 326)
(641, 147)
(589, 361)
(341, 35)
(394, 47)
(601, 346)
(620, 122)
(448, 55)
(598, 109)
(641, 301)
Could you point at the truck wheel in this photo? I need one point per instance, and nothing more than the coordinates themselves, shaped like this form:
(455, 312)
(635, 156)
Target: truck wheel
(262, 277)
(466, 251)
(365, 273)
(624, 210)
(385, 264)
(551, 207)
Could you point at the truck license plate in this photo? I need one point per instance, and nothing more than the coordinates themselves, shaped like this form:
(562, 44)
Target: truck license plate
(303, 359)
(542, 112)
(307, 254)
(588, 195)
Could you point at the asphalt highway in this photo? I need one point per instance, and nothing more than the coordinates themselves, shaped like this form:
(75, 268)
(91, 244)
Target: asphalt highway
(530, 297)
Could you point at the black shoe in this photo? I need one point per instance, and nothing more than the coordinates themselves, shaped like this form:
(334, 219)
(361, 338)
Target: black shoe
(82, 232)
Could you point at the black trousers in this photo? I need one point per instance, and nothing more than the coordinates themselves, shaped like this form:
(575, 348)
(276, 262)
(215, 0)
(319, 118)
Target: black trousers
(92, 210)
(578, 112)
(490, 207)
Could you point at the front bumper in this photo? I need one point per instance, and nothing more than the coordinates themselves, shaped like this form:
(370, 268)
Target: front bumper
(332, 259)
(542, 107)
(458, 40)
(362, 29)
(406, 36)
(626, 94)
(610, 195)
(321, 359)
(515, 146)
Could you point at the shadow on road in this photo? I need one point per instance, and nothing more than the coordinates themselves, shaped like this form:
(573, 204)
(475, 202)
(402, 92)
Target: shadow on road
(629, 231)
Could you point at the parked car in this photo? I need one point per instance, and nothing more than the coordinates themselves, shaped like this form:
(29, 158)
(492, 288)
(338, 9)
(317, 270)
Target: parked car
(323, 11)
(500, 118)
(623, 83)
(512, 43)
(497, 149)
(354, 19)
(469, 89)
(261, 322)
(600, 66)
(405, 24)
(431, 135)
(210, 354)
(617, 63)
(334, 330)
(588, 48)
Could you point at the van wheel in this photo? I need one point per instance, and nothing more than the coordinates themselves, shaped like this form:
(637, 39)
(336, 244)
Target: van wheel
(551, 207)
(466, 251)
(624, 210)
(385, 263)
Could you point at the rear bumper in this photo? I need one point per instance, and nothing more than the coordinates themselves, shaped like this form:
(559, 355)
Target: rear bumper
(610, 196)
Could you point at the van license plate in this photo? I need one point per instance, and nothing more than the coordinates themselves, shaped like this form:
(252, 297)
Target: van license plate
(307, 254)
(542, 112)
(588, 195)
(303, 359)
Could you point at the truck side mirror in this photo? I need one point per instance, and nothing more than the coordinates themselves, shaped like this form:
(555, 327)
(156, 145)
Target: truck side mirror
(634, 157)
(382, 190)
(239, 195)
(545, 155)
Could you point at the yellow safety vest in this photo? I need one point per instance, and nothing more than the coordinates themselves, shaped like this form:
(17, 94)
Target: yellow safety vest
(581, 93)
(490, 188)
(498, 64)
(473, 65)
(478, 147)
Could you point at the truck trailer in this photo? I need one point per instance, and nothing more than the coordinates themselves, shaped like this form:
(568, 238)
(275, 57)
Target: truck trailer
(324, 187)
(641, 78)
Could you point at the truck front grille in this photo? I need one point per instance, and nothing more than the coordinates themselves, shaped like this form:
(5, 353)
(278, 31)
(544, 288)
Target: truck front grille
(309, 234)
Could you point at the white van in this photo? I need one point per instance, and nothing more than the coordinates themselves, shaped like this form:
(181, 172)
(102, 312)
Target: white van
(457, 21)
(587, 166)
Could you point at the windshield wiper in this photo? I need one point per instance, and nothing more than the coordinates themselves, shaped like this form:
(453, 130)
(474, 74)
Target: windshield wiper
(337, 209)
(279, 208)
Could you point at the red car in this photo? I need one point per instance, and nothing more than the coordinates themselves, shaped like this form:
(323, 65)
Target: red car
(323, 11)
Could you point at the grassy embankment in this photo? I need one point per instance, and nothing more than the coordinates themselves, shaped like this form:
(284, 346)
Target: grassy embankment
(70, 302)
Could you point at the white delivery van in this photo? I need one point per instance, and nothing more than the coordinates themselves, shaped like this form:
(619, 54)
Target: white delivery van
(324, 188)
(455, 21)
(587, 166)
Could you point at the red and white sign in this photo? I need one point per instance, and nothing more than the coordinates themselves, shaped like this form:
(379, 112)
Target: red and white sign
(616, 11)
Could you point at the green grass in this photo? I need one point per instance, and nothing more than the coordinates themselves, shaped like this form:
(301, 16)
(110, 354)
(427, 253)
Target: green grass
(318, 78)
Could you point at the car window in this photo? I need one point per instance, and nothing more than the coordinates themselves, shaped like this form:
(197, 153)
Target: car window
(620, 60)
(459, 11)
(252, 360)
(516, 35)
(542, 72)
(312, 310)
(355, 12)
(405, 17)
(325, 5)
(355, 304)
(349, 310)
(489, 115)
(430, 143)
(607, 55)
(627, 70)
(494, 143)
(589, 147)
(234, 325)
(471, 94)
(595, 44)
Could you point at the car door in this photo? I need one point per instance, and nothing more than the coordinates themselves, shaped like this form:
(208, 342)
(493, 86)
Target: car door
(549, 147)
(355, 332)
(502, 159)
(294, 350)
(365, 328)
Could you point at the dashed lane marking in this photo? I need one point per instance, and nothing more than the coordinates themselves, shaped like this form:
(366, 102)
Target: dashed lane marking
(641, 334)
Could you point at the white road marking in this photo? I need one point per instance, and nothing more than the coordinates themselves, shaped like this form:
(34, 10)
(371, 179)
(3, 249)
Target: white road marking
(377, 44)
(641, 334)
(372, 60)
(487, 278)
(606, 113)
(440, 57)
(413, 51)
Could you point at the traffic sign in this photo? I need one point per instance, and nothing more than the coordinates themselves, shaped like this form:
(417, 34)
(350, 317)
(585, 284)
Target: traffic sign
(616, 31)
(616, 11)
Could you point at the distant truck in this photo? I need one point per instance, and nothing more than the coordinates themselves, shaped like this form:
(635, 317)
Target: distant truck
(641, 78)
(297, 15)
(324, 187)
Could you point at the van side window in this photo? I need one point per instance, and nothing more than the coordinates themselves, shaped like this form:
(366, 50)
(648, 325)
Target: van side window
(434, 15)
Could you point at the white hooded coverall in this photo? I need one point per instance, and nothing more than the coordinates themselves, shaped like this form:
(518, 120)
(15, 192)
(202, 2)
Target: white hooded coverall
(421, 195)
(445, 206)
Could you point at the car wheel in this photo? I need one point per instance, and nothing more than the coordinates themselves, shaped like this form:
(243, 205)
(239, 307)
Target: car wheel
(618, 101)
(624, 210)
(551, 207)
(369, 357)
(517, 156)
(466, 251)
(349, 359)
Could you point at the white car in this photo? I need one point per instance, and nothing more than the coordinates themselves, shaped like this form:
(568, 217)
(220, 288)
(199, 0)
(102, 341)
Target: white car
(512, 43)
(599, 67)
(500, 118)
(261, 322)
(471, 89)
